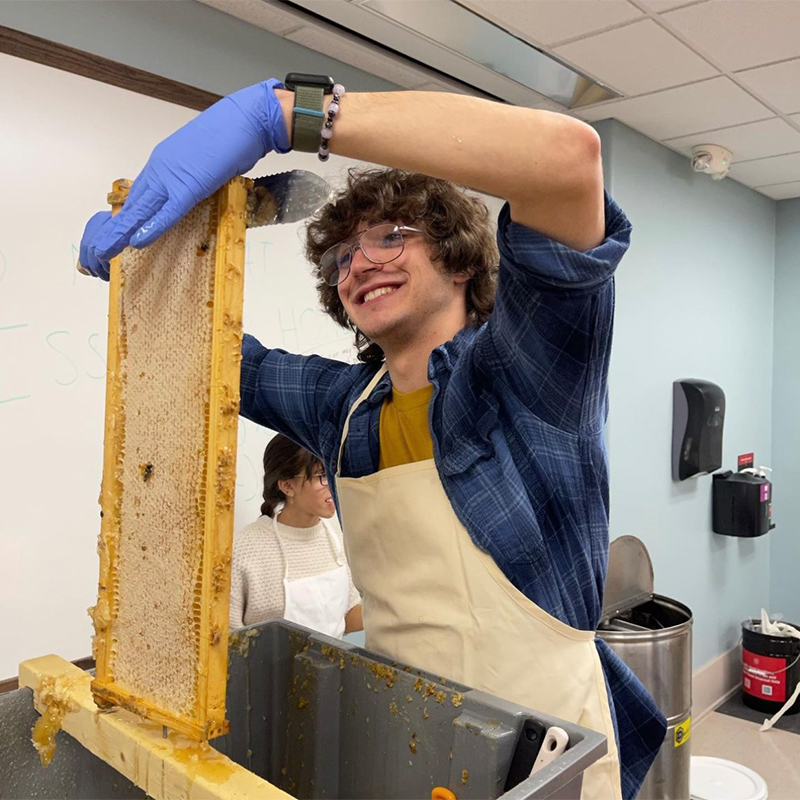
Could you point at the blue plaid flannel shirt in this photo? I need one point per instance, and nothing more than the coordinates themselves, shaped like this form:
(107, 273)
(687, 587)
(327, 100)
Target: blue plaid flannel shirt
(517, 420)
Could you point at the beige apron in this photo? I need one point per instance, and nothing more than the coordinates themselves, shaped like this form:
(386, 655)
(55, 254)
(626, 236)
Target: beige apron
(432, 599)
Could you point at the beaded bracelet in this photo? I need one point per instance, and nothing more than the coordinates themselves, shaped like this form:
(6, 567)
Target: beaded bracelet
(327, 130)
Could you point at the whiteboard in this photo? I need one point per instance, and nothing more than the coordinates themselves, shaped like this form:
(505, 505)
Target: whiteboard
(63, 139)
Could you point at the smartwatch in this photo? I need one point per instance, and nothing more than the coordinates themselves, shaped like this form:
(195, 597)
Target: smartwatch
(308, 116)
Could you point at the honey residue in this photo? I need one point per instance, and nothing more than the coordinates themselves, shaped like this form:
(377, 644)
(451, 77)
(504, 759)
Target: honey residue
(220, 574)
(240, 641)
(100, 615)
(464, 775)
(53, 695)
(431, 691)
(201, 759)
(383, 673)
(334, 654)
(226, 477)
(262, 208)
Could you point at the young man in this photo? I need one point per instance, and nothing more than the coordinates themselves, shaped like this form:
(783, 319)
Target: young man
(466, 451)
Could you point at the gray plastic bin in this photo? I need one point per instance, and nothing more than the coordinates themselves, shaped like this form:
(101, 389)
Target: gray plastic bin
(74, 773)
(324, 719)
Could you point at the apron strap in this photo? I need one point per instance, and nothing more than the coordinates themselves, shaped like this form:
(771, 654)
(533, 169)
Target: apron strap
(363, 396)
(333, 540)
(281, 547)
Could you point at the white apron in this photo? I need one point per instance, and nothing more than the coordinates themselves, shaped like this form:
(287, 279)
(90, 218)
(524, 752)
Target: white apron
(433, 600)
(320, 601)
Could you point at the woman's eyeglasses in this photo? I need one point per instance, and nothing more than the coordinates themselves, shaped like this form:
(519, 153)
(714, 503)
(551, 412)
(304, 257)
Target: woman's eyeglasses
(320, 476)
(379, 244)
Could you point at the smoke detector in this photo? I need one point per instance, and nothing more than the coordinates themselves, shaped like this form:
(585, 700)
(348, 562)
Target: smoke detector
(712, 159)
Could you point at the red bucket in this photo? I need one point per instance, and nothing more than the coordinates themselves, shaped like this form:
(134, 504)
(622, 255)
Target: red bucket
(770, 668)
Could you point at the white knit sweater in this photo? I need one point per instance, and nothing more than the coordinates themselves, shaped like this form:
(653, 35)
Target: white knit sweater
(258, 567)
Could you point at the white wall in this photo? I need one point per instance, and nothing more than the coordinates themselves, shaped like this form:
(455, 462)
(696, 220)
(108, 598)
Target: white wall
(694, 299)
(56, 173)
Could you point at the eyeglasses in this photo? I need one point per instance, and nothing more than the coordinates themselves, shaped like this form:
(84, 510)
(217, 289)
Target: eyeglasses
(379, 244)
(320, 476)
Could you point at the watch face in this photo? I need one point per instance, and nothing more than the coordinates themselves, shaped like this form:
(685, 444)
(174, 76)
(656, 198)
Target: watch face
(295, 79)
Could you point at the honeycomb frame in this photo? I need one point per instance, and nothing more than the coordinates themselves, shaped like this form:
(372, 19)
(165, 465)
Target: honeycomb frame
(204, 716)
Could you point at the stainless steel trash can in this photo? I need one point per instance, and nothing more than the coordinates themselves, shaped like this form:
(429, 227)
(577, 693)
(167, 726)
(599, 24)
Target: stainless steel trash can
(652, 634)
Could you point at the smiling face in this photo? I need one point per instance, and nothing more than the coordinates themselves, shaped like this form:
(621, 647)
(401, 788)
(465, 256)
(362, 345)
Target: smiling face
(407, 300)
(459, 234)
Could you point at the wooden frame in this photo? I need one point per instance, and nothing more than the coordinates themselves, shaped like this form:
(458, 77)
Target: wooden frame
(207, 718)
(172, 768)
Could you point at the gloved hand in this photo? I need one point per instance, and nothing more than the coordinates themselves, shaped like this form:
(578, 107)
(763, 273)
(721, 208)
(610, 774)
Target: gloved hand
(86, 256)
(188, 166)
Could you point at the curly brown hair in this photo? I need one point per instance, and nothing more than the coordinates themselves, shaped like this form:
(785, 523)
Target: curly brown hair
(456, 226)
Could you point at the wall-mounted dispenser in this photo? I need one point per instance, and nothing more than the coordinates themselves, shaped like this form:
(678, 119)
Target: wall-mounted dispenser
(742, 503)
(698, 414)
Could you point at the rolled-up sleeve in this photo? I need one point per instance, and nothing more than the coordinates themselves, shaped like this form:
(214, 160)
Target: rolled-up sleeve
(547, 264)
(549, 336)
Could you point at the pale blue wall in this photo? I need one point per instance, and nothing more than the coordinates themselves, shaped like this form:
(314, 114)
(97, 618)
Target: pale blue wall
(179, 39)
(694, 299)
(785, 584)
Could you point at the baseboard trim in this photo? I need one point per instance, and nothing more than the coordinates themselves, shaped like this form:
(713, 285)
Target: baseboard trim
(715, 682)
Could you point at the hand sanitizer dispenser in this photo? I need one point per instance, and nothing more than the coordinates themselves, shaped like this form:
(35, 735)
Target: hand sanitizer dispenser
(698, 414)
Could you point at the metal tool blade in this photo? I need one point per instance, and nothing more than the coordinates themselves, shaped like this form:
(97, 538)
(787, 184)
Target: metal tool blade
(286, 197)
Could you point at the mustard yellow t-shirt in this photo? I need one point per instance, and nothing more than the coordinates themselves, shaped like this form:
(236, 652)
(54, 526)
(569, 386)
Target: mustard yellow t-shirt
(405, 435)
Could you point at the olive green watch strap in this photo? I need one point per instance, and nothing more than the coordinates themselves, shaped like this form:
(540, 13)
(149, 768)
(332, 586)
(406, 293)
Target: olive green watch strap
(307, 117)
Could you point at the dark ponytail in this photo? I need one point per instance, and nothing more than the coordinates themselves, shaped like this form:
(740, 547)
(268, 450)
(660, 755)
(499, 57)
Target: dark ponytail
(283, 460)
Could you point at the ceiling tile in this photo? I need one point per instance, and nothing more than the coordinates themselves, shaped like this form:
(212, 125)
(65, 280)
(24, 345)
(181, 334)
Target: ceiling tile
(769, 137)
(776, 84)
(781, 191)
(712, 104)
(740, 34)
(257, 13)
(764, 171)
(436, 86)
(366, 57)
(660, 6)
(550, 21)
(661, 60)
(550, 105)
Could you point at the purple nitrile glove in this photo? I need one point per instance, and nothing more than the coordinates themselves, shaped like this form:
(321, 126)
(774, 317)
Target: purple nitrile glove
(188, 166)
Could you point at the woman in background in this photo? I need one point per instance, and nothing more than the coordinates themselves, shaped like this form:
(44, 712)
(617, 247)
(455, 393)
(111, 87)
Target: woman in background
(290, 562)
